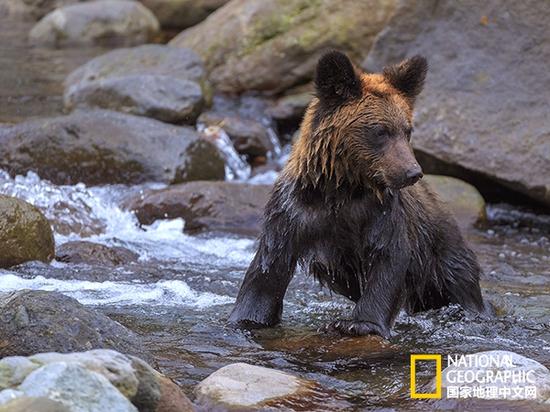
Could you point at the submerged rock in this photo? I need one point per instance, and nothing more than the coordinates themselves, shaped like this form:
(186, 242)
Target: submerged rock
(165, 83)
(25, 234)
(180, 14)
(99, 22)
(94, 254)
(272, 45)
(105, 147)
(461, 198)
(40, 321)
(132, 379)
(483, 113)
(245, 387)
(205, 206)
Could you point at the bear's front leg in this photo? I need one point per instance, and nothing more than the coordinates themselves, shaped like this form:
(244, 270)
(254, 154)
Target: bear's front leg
(260, 299)
(380, 300)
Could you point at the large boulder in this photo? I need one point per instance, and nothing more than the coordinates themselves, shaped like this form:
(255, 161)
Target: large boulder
(483, 113)
(101, 147)
(40, 321)
(272, 45)
(99, 22)
(165, 83)
(101, 374)
(212, 206)
(25, 234)
(180, 14)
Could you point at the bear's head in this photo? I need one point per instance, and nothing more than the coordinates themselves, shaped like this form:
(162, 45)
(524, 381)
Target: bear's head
(358, 128)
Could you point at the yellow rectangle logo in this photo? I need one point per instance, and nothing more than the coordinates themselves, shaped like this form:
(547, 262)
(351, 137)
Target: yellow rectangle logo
(429, 357)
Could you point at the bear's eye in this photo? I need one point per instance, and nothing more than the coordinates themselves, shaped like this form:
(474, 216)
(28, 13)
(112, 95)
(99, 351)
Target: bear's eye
(408, 133)
(378, 133)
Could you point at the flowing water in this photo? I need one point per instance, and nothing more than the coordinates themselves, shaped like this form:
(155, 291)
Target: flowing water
(180, 291)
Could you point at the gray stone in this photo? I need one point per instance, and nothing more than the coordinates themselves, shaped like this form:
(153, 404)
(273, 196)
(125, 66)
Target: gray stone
(25, 234)
(76, 387)
(102, 147)
(31, 9)
(100, 22)
(483, 112)
(165, 83)
(55, 322)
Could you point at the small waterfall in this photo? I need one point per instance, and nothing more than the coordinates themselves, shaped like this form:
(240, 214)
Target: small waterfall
(236, 168)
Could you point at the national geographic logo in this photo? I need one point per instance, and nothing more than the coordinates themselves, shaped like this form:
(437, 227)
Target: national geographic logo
(484, 375)
(431, 358)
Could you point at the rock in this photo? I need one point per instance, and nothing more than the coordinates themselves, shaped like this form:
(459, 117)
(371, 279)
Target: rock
(31, 9)
(99, 22)
(25, 234)
(75, 387)
(180, 14)
(272, 45)
(249, 137)
(290, 107)
(212, 206)
(244, 387)
(40, 321)
(483, 111)
(165, 83)
(25, 404)
(106, 147)
(462, 199)
(94, 254)
(134, 379)
(539, 375)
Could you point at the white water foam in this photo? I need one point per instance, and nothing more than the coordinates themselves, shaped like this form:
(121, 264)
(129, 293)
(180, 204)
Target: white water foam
(94, 214)
(162, 293)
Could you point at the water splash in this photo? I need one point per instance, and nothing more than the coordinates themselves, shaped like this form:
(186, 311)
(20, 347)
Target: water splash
(162, 293)
(236, 168)
(93, 213)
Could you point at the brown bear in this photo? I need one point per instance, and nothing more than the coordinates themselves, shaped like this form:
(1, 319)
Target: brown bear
(350, 208)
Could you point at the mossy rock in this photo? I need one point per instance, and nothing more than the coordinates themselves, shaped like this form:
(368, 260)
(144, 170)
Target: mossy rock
(25, 234)
(463, 199)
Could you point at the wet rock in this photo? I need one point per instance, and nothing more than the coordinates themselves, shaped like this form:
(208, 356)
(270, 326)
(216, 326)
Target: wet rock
(250, 137)
(94, 254)
(539, 375)
(461, 198)
(135, 380)
(101, 147)
(100, 22)
(245, 387)
(25, 234)
(180, 14)
(40, 321)
(205, 206)
(483, 111)
(272, 45)
(22, 403)
(165, 83)
(31, 9)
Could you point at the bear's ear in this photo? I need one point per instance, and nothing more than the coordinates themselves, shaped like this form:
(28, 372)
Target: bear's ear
(408, 76)
(336, 79)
